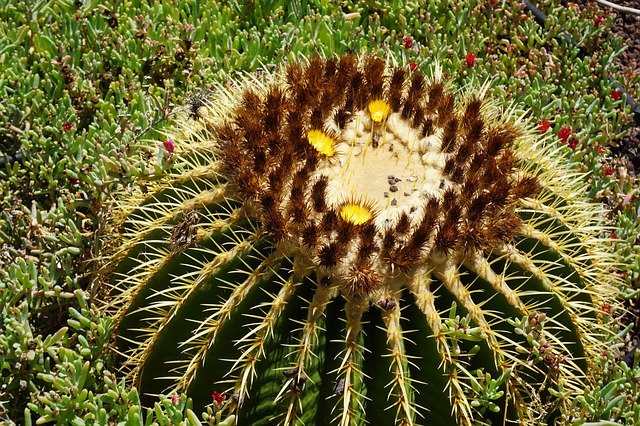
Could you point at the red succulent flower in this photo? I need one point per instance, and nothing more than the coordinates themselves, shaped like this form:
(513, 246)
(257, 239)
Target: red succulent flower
(175, 399)
(606, 308)
(412, 66)
(608, 170)
(599, 19)
(616, 94)
(574, 143)
(543, 126)
(408, 42)
(564, 134)
(218, 397)
(67, 126)
(600, 149)
(470, 59)
(169, 145)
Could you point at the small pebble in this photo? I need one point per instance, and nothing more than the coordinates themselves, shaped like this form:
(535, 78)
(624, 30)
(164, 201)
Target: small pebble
(393, 188)
(406, 194)
(398, 180)
(391, 177)
(412, 209)
(391, 181)
(386, 194)
(394, 202)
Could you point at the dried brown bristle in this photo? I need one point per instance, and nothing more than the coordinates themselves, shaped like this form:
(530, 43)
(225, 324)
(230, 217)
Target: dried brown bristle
(427, 127)
(436, 91)
(366, 248)
(445, 109)
(449, 136)
(273, 110)
(362, 278)
(526, 186)
(395, 89)
(318, 194)
(472, 111)
(274, 222)
(499, 138)
(373, 71)
(417, 86)
(388, 240)
(329, 254)
(329, 221)
(310, 235)
(402, 226)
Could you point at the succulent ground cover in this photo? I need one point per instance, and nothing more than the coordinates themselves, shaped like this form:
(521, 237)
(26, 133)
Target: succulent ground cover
(87, 89)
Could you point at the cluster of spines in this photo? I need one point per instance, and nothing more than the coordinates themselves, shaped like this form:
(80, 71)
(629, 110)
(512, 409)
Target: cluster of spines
(266, 150)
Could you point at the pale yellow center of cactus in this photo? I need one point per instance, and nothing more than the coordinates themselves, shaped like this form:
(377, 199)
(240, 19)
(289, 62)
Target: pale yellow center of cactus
(391, 167)
(322, 142)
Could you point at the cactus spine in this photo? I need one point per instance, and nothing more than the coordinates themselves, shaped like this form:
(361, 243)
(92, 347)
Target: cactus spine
(345, 242)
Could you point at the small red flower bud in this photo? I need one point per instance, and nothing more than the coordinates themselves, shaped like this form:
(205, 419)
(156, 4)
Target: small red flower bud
(175, 399)
(67, 126)
(599, 19)
(606, 308)
(543, 126)
(470, 59)
(168, 145)
(412, 66)
(600, 149)
(574, 143)
(408, 42)
(74, 181)
(608, 170)
(493, 2)
(218, 397)
(564, 134)
(616, 94)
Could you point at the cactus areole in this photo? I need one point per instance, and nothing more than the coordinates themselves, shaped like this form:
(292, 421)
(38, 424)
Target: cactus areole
(347, 242)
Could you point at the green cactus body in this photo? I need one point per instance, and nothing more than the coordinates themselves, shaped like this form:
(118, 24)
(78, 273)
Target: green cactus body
(345, 242)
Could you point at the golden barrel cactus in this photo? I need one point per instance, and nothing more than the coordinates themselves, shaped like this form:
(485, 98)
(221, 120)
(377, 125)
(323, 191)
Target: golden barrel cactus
(345, 241)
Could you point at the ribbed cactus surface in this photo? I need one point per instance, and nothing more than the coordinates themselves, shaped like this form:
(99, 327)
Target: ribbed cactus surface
(344, 241)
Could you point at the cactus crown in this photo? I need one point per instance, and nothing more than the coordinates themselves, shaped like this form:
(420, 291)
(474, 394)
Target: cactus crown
(344, 206)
